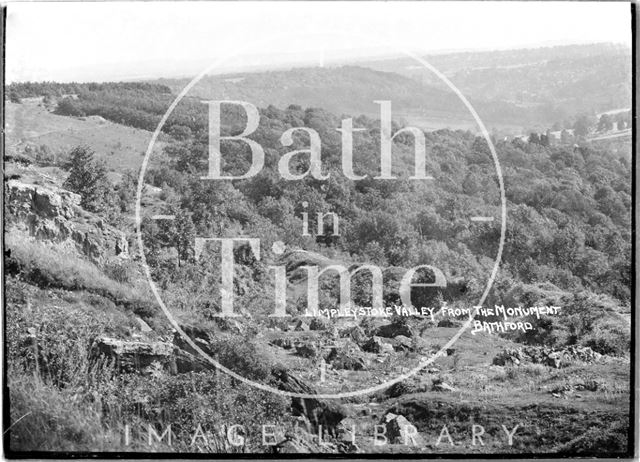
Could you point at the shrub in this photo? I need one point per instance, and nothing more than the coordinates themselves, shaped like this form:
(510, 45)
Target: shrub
(609, 339)
(120, 270)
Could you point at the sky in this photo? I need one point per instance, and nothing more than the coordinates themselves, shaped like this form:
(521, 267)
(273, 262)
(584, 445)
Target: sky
(99, 41)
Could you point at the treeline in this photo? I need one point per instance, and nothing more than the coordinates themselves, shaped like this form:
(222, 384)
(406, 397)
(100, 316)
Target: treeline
(137, 107)
(16, 91)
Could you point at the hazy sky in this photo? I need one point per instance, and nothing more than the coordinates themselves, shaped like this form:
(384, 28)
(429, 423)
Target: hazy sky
(105, 41)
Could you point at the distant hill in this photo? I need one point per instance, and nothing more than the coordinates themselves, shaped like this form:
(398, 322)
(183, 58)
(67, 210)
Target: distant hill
(514, 88)
(551, 83)
(341, 90)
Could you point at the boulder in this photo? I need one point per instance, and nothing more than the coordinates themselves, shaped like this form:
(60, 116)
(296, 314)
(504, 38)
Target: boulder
(448, 322)
(283, 342)
(356, 334)
(393, 330)
(399, 430)
(402, 343)
(307, 350)
(327, 413)
(320, 323)
(377, 345)
(131, 356)
(346, 356)
(346, 429)
(442, 386)
(406, 387)
(143, 326)
(301, 326)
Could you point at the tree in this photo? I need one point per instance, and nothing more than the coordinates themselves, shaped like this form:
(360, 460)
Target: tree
(14, 97)
(605, 123)
(88, 178)
(544, 140)
(180, 132)
(582, 126)
(565, 137)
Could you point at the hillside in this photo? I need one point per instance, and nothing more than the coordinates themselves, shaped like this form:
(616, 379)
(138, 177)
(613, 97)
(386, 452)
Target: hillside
(89, 351)
(31, 126)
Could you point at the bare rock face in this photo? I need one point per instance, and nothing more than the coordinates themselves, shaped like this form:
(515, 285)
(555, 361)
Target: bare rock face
(47, 202)
(54, 214)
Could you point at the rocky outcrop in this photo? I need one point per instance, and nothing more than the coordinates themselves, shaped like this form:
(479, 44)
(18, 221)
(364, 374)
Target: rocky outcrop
(53, 214)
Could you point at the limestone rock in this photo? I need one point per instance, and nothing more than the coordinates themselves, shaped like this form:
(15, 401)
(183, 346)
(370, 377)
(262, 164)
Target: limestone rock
(130, 356)
(54, 214)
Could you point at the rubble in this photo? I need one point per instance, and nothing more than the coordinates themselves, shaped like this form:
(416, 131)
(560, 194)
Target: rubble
(546, 356)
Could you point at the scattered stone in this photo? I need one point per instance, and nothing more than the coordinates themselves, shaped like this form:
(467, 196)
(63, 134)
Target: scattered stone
(546, 356)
